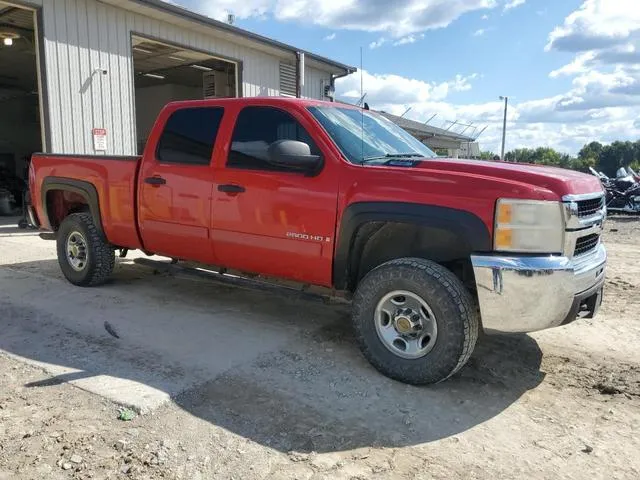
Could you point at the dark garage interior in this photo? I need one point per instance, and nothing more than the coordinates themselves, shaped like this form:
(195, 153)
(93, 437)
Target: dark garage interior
(20, 128)
(165, 73)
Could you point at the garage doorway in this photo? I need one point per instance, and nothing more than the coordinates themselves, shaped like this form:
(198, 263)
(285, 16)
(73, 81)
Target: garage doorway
(166, 73)
(20, 118)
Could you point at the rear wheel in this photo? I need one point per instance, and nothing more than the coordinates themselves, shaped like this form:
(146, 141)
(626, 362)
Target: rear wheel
(415, 321)
(85, 258)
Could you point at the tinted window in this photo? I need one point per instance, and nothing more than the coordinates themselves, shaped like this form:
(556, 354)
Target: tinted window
(256, 129)
(189, 136)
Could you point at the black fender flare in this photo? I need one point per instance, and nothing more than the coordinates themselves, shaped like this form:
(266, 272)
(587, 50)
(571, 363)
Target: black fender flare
(85, 189)
(463, 224)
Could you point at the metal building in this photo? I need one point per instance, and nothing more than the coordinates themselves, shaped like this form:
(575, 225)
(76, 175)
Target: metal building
(438, 138)
(89, 76)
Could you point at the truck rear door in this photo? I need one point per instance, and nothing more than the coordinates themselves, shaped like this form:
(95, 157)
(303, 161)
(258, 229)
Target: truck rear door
(268, 219)
(175, 182)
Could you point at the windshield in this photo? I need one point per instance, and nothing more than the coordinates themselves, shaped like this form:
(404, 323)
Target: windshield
(363, 136)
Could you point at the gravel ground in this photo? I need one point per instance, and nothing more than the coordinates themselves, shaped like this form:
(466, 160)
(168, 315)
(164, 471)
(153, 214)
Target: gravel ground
(563, 403)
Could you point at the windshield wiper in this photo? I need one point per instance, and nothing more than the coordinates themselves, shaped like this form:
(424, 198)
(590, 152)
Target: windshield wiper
(391, 155)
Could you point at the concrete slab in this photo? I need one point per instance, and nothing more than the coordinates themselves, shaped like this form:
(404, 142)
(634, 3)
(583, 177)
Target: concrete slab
(174, 333)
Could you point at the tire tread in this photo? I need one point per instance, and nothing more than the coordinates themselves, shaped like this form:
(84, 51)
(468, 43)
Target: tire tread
(100, 252)
(405, 371)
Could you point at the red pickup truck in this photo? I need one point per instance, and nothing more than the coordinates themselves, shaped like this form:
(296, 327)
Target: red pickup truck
(430, 250)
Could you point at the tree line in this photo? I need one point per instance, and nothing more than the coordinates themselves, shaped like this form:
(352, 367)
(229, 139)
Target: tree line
(605, 158)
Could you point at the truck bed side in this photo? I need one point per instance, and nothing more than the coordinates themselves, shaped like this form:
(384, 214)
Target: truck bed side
(63, 184)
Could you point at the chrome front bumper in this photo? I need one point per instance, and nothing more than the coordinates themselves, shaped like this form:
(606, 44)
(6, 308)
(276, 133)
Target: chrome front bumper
(526, 294)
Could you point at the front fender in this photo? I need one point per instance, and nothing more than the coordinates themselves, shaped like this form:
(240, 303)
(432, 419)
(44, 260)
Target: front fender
(465, 225)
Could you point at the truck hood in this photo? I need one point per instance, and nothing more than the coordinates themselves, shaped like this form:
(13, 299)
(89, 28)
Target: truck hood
(559, 181)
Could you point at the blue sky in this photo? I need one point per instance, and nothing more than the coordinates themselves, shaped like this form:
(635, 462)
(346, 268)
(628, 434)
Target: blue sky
(571, 68)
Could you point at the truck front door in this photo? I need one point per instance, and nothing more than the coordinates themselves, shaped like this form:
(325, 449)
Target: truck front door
(175, 185)
(270, 219)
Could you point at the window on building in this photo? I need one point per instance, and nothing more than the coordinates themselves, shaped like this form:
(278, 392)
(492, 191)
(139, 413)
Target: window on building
(189, 136)
(256, 129)
(287, 80)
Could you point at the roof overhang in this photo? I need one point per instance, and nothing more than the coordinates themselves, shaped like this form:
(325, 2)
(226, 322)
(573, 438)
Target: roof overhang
(433, 136)
(180, 16)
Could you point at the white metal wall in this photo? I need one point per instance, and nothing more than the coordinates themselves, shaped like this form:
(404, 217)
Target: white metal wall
(314, 79)
(82, 36)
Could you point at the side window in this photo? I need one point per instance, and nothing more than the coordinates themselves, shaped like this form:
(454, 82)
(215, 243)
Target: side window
(189, 136)
(256, 129)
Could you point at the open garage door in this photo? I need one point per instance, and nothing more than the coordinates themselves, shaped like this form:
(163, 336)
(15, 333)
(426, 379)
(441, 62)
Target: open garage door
(166, 73)
(20, 126)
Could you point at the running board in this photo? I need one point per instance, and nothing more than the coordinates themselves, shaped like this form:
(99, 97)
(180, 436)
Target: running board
(236, 280)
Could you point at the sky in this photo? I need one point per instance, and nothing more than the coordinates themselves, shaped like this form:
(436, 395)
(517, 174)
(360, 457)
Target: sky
(570, 68)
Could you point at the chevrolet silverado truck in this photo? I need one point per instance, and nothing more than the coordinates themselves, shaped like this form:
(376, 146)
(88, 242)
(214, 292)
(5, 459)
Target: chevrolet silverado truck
(428, 250)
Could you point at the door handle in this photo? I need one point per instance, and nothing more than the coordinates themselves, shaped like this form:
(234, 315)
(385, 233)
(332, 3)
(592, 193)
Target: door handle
(155, 181)
(230, 188)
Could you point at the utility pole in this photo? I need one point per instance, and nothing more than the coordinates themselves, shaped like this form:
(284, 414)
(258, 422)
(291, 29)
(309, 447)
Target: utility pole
(504, 125)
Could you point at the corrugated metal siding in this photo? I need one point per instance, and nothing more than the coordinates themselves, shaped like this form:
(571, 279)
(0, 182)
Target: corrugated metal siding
(84, 35)
(313, 82)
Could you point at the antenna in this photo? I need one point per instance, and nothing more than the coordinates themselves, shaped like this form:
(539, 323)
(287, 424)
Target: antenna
(405, 112)
(361, 99)
(231, 18)
(361, 111)
(452, 124)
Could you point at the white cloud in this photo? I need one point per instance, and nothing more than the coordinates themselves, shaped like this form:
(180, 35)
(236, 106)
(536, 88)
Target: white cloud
(604, 99)
(406, 16)
(408, 39)
(330, 37)
(597, 24)
(513, 4)
(566, 121)
(479, 32)
(378, 43)
(395, 89)
(485, 17)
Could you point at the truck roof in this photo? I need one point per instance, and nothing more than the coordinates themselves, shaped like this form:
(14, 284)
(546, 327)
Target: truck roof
(283, 101)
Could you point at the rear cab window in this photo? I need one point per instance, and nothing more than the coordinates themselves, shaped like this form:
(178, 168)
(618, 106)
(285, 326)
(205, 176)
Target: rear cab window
(189, 136)
(256, 129)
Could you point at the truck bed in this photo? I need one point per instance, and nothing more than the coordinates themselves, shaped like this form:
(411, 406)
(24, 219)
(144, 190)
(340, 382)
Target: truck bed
(113, 179)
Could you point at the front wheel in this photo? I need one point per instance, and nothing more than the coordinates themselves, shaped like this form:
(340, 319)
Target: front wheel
(85, 258)
(415, 321)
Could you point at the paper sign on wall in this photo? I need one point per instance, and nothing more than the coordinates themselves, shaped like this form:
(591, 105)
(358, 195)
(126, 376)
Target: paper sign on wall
(99, 139)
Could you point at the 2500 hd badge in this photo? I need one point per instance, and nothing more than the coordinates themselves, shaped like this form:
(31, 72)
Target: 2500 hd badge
(306, 236)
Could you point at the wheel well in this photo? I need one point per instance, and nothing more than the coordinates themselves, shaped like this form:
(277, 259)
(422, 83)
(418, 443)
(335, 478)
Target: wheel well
(62, 203)
(378, 242)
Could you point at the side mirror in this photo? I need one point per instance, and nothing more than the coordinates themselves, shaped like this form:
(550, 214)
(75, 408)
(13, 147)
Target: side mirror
(294, 154)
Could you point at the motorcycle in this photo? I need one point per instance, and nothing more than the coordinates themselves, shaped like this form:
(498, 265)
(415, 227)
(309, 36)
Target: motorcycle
(622, 193)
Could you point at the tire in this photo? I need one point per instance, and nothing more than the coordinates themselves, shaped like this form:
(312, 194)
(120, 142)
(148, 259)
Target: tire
(448, 304)
(95, 264)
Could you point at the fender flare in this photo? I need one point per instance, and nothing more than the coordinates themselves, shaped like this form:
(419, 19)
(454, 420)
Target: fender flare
(85, 189)
(463, 224)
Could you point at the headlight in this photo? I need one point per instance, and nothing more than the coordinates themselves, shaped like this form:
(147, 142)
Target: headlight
(528, 226)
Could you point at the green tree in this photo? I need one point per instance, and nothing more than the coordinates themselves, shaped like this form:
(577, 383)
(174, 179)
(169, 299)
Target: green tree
(590, 151)
(487, 155)
(618, 154)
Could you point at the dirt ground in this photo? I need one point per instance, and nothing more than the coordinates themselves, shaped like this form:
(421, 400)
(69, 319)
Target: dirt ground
(288, 395)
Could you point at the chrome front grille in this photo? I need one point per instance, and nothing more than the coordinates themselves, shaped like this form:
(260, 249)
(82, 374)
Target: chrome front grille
(590, 207)
(586, 244)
